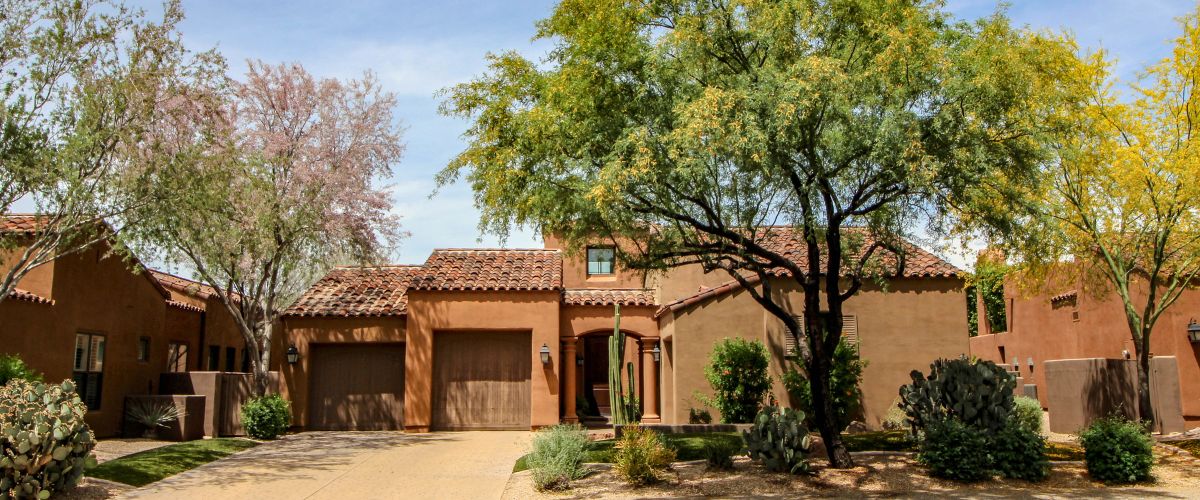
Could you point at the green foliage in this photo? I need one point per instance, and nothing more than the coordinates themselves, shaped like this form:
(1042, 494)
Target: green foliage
(557, 456)
(719, 454)
(1117, 450)
(641, 455)
(699, 416)
(140, 469)
(843, 386)
(953, 450)
(582, 407)
(780, 439)
(44, 442)
(1028, 412)
(12, 367)
(988, 281)
(737, 372)
(975, 392)
(880, 441)
(895, 418)
(1019, 452)
(267, 417)
(623, 402)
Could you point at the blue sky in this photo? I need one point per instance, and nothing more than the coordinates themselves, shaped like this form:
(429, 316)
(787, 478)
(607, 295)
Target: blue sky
(419, 47)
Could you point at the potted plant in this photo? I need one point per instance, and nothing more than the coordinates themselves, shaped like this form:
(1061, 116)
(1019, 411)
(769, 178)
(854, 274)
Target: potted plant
(153, 415)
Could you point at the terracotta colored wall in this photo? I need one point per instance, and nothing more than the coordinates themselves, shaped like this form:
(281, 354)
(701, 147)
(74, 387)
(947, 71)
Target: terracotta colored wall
(303, 332)
(39, 280)
(1045, 331)
(1082, 390)
(433, 311)
(575, 268)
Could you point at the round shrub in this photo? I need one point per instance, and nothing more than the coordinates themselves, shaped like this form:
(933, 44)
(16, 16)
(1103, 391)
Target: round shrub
(1027, 411)
(1117, 450)
(266, 417)
(44, 443)
(953, 450)
(737, 371)
(719, 454)
(1019, 452)
(557, 456)
(843, 386)
(640, 455)
(11, 367)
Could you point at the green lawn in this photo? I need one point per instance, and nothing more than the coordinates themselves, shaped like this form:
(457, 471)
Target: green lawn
(143, 468)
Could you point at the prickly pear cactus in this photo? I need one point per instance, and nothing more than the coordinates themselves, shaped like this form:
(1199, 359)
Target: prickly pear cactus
(780, 439)
(975, 392)
(44, 442)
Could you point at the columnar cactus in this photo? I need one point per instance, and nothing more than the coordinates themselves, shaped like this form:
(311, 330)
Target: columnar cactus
(44, 442)
(978, 393)
(620, 401)
(780, 439)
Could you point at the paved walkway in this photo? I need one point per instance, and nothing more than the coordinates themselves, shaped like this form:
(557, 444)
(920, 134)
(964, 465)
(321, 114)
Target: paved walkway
(355, 465)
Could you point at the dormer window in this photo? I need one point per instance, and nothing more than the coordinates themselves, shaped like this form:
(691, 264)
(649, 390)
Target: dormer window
(600, 260)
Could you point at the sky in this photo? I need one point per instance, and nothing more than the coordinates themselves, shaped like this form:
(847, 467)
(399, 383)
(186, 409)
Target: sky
(419, 47)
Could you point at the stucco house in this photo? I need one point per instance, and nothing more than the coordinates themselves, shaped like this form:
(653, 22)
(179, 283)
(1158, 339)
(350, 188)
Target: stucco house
(87, 317)
(517, 338)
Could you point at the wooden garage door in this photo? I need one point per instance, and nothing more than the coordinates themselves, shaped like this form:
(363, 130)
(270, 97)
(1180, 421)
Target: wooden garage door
(356, 387)
(481, 380)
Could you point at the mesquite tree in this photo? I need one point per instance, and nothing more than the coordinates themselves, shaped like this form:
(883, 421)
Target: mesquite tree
(269, 181)
(695, 128)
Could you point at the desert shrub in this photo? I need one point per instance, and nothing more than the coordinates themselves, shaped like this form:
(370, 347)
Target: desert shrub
(11, 367)
(153, 414)
(719, 454)
(843, 386)
(640, 455)
(895, 419)
(1027, 411)
(779, 439)
(44, 442)
(974, 392)
(557, 456)
(737, 371)
(1117, 450)
(1019, 452)
(954, 450)
(266, 417)
(699, 416)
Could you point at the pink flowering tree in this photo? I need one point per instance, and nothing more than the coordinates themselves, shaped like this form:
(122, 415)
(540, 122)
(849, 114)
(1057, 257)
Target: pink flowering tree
(269, 182)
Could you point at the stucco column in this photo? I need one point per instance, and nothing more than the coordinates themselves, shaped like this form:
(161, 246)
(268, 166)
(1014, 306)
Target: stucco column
(568, 363)
(649, 382)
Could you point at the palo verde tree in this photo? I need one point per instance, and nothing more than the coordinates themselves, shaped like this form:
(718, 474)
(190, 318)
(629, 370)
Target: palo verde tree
(266, 183)
(1123, 207)
(79, 82)
(695, 128)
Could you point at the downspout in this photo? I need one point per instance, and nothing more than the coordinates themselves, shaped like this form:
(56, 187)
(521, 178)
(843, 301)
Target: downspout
(200, 350)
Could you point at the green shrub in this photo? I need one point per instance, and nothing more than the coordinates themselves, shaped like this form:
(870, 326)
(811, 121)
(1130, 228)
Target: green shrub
(974, 392)
(843, 386)
(1117, 450)
(11, 367)
(582, 407)
(953, 450)
(266, 417)
(44, 442)
(557, 456)
(640, 455)
(719, 454)
(737, 371)
(1019, 452)
(780, 439)
(1027, 411)
(895, 419)
(699, 416)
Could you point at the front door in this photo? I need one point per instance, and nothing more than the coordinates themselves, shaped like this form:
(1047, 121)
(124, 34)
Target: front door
(595, 369)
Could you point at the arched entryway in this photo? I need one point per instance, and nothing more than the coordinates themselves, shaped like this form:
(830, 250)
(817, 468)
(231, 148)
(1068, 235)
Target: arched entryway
(591, 387)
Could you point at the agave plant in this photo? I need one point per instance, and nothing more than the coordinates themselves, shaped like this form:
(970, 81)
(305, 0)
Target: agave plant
(153, 415)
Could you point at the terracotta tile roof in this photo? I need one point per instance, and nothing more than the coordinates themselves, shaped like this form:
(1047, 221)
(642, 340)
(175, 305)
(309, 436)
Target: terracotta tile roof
(20, 223)
(1065, 296)
(703, 295)
(918, 263)
(184, 305)
(490, 269)
(357, 291)
(608, 297)
(19, 294)
(183, 285)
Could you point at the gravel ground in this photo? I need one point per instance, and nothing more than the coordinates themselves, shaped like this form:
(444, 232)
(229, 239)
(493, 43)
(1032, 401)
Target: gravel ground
(875, 476)
(90, 488)
(108, 449)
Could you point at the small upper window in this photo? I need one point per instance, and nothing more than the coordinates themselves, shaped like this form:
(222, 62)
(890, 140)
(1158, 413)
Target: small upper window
(600, 260)
(143, 349)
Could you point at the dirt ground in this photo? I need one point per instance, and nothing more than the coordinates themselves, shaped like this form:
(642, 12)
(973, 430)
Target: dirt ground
(876, 476)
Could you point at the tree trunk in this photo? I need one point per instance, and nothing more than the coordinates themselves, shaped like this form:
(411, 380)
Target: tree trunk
(1145, 407)
(262, 381)
(824, 416)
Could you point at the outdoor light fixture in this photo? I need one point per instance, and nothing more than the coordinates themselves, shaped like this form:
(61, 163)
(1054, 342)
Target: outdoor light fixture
(1030, 363)
(657, 352)
(1016, 363)
(1125, 353)
(293, 354)
(1194, 331)
(545, 352)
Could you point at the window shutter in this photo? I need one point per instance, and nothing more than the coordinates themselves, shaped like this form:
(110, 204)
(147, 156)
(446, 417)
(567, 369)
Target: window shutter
(789, 342)
(850, 329)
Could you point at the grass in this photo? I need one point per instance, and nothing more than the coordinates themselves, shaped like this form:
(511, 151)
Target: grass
(1191, 445)
(687, 447)
(879, 441)
(140, 469)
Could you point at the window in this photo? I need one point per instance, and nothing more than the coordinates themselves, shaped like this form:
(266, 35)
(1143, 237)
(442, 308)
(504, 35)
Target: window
(88, 372)
(600, 260)
(177, 354)
(849, 333)
(143, 349)
(214, 358)
(245, 360)
(230, 359)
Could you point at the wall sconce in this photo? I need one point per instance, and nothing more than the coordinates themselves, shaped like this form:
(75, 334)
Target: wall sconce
(1016, 363)
(657, 352)
(293, 354)
(578, 360)
(1125, 353)
(1030, 361)
(1194, 332)
(545, 353)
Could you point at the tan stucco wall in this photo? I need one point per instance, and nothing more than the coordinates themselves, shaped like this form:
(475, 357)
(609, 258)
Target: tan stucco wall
(581, 321)
(575, 267)
(501, 311)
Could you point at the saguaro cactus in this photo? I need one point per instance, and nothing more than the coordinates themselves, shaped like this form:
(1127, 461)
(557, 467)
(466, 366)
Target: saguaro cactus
(619, 400)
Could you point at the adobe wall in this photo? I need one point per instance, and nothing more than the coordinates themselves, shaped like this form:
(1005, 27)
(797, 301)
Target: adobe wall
(580, 321)
(575, 267)
(1082, 390)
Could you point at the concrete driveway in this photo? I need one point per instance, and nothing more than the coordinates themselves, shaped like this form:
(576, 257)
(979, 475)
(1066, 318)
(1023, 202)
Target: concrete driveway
(355, 465)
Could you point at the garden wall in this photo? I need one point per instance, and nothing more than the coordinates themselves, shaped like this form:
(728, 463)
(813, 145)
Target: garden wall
(1079, 391)
(225, 392)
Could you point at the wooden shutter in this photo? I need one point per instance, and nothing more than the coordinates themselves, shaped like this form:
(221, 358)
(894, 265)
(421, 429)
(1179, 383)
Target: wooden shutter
(850, 329)
(789, 342)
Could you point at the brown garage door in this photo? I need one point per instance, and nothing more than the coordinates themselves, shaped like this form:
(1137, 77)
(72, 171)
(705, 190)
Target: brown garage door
(481, 380)
(356, 387)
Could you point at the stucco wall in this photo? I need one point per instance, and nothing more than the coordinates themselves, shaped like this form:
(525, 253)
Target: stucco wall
(575, 268)
(580, 321)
